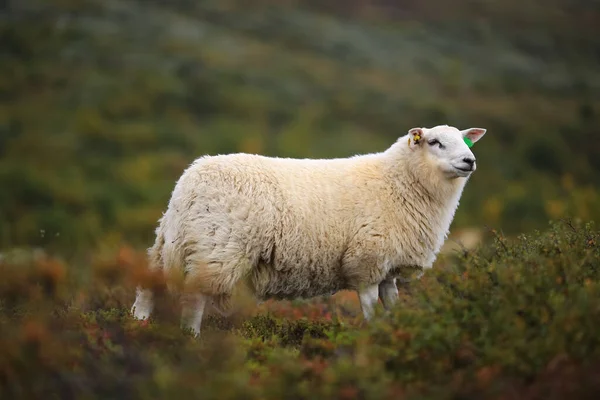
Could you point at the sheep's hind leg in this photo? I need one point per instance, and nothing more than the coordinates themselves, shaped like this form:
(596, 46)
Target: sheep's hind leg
(143, 305)
(388, 293)
(192, 311)
(368, 300)
(144, 299)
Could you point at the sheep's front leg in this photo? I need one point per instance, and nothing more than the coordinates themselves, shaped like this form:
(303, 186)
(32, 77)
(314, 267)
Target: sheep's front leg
(388, 293)
(192, 312)
(368, 300)
(142, 308)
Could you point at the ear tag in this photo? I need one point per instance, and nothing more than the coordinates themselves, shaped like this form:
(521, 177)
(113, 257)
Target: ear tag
(468, 141)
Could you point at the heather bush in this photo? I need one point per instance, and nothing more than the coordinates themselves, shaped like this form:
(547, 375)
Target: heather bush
(516, 318)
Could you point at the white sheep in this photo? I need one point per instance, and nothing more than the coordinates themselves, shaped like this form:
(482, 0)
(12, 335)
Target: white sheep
(298, 228)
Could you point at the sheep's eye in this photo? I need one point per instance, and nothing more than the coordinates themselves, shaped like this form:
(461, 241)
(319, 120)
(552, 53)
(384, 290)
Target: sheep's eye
(433, 142)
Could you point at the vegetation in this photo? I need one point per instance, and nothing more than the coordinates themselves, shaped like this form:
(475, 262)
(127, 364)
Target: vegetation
(104, 103)
(517, 318)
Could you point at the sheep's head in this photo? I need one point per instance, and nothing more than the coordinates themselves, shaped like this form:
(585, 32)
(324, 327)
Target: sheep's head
(447, 148)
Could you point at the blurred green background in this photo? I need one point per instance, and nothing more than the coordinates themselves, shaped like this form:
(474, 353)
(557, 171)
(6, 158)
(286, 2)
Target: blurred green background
(103, 103)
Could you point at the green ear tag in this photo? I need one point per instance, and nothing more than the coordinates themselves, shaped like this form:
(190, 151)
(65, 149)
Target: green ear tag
(468, 141)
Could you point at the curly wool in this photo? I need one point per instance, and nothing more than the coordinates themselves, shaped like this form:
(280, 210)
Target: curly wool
(301, 227)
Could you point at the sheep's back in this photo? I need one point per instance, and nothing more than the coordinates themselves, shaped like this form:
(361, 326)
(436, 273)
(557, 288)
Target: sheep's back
(288, 218)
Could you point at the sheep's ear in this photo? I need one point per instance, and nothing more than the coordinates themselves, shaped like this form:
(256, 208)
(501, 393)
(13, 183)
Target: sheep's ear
(473, 134)
(415, 135)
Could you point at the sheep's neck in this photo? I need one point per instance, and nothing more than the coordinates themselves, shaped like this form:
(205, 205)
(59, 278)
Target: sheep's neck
(428, 201)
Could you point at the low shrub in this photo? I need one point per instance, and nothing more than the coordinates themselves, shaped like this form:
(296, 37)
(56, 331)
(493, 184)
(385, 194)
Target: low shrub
(516, 318)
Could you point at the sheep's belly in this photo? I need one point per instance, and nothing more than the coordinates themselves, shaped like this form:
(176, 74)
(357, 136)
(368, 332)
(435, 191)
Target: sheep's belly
(294, 283)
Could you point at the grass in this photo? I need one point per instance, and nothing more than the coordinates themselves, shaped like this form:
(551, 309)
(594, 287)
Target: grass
(514, 319)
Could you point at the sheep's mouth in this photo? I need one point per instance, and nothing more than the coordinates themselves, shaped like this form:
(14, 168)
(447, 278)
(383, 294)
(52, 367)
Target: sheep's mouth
(465, 169)
(463, 172)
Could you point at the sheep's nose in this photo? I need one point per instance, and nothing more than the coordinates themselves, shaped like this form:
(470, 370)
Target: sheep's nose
(469, 161)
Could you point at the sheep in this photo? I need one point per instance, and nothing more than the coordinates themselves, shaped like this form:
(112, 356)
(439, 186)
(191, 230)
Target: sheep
(300, 228)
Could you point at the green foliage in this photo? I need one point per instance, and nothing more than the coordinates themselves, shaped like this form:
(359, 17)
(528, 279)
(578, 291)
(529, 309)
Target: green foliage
(104, 104)
(515, 318)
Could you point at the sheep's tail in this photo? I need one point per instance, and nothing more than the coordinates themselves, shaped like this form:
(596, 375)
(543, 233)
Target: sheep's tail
(166, 255)
(155, 259)
(170, 254)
